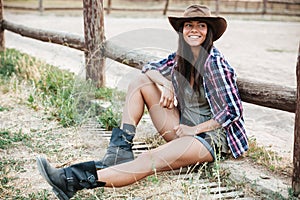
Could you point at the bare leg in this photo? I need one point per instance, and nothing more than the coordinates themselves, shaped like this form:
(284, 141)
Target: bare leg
(173, 155)
(141, 92)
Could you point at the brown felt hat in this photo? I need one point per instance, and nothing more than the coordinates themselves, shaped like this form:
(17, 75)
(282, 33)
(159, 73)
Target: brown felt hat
(200, 13)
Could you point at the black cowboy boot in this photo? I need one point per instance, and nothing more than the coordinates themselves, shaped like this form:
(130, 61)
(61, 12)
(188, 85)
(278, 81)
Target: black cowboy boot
(119, 149)
(67, 181)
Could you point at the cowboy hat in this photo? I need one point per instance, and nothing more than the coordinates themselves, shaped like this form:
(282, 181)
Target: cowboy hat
(200, 13)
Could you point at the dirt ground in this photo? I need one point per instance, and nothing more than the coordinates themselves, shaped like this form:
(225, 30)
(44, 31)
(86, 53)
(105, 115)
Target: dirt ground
(260, 49)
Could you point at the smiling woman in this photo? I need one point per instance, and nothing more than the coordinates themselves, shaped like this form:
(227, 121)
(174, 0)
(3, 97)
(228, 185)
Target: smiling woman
(205, 123)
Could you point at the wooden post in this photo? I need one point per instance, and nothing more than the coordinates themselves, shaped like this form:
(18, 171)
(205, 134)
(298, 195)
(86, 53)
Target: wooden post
(93, 14)
(264, 11)
(2, 38)
(108, 6)
(296, 160)
(166, 7)
(217, 7)
(41, 7)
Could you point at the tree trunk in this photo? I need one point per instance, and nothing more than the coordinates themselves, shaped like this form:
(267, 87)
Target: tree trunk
(94, 37)
(296, 172)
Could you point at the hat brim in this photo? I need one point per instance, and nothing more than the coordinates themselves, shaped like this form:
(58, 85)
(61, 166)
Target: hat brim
(218, 24)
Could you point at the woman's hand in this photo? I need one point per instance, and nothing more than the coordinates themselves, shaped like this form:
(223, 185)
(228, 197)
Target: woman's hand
(167, 95)
(184, 130)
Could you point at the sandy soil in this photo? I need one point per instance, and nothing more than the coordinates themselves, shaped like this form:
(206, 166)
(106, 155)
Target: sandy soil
(258, 49)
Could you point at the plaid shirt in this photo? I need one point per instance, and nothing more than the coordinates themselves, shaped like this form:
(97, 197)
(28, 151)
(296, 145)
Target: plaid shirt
(219, 81)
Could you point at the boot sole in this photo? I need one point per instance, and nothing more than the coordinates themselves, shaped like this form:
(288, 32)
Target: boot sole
(41, 163)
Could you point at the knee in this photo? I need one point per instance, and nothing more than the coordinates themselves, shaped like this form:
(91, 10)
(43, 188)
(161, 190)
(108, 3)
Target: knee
(139, 82)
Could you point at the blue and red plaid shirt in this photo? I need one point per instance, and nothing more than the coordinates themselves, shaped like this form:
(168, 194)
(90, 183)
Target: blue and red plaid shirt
(219, 81)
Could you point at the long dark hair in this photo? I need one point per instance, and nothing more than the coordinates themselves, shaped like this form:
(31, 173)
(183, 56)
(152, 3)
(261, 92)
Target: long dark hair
(185, 57)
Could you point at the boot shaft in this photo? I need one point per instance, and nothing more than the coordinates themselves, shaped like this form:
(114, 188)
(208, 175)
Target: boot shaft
(120, 138)
(82, 175)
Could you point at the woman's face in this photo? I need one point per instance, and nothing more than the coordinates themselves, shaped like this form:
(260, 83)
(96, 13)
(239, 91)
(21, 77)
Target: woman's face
(194, 33)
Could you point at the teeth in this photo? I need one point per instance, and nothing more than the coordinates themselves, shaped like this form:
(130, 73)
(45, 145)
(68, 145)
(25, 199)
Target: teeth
(194, 37)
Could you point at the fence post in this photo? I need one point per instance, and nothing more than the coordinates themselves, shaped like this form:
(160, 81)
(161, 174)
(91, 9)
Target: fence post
(93, 14)
(217, 7)
(41, 7)
(264, 11)
(166, 7)
(296, 160)
(108, 6)
(2, 38)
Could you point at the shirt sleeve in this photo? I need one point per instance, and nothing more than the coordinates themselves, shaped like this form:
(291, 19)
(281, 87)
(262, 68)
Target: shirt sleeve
(222, 90)
(164, 66)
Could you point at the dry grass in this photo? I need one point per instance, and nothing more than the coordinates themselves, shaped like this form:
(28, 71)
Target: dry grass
(269, 159)
(27, 131)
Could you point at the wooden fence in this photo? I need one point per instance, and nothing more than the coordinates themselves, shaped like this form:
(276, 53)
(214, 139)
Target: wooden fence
(96, 49)
(241, 7)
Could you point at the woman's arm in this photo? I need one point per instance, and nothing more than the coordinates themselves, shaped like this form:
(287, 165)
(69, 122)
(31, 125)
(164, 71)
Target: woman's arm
(167, 96)
(184, 130)
(158, 72)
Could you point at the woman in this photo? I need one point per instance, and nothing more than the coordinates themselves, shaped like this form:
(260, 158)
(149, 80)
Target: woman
(198, 112)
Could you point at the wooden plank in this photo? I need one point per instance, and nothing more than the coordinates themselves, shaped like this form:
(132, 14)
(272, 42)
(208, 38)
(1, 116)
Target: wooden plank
(229, 195)
(142, 147)
(217, 190)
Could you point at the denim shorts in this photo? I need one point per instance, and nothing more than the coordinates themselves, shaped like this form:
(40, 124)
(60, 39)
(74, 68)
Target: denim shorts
(215, 142)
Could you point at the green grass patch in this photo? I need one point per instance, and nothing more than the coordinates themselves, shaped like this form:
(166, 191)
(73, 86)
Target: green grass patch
(7, 166)
(9, 139)
(2, 108)
(66, 97)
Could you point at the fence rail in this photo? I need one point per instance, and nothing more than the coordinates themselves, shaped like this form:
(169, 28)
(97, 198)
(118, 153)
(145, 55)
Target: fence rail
(268, 95)
(263, 94)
